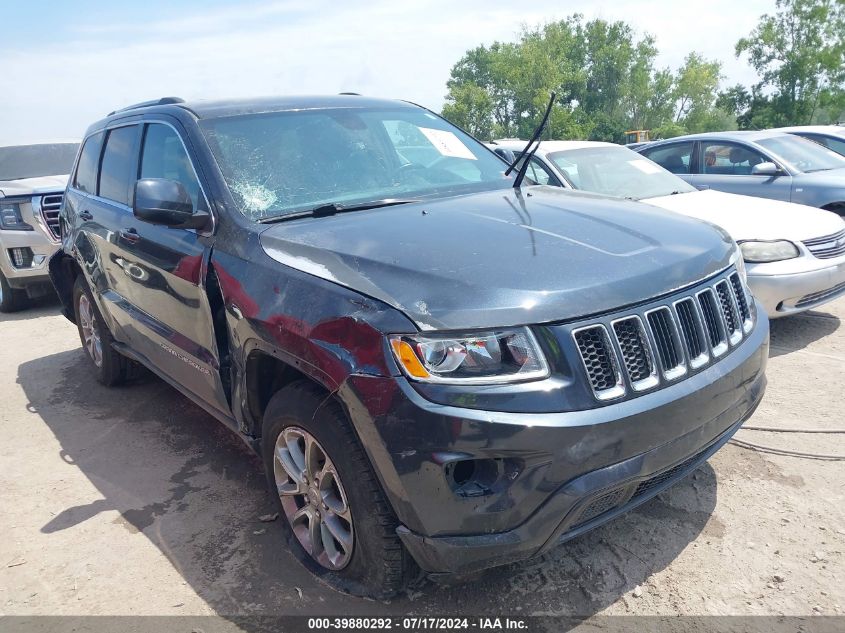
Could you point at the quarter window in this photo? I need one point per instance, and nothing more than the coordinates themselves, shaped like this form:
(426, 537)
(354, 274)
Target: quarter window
(86, 171)
(164, 156)
(728, 159)
(118, 164)
(676, 157)
(538, 172)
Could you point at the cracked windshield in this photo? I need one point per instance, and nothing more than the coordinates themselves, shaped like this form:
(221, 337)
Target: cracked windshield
(290, 162)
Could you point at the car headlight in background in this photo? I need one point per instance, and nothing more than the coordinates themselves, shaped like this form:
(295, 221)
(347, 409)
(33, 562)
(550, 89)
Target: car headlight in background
(10, 217)
(756, 252)
(501, 356)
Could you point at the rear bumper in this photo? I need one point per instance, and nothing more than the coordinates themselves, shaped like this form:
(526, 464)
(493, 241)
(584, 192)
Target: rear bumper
(567, 473)
(790, 293)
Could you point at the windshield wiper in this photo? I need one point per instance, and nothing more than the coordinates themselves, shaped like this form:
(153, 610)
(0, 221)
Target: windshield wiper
(528, 152)
(333, 208)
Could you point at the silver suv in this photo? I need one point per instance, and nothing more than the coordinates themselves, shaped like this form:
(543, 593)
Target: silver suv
(32, 183)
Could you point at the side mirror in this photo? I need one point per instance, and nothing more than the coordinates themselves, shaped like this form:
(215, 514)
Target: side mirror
(765, 169)
(166, 203)
(505, 154)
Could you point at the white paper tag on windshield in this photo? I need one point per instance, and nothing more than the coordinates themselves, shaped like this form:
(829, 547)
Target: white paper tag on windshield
(645, 166)
(447, 143)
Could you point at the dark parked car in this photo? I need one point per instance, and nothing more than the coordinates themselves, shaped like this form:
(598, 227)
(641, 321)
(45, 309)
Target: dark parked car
(830, 136)
(441, 371)
(766, 164)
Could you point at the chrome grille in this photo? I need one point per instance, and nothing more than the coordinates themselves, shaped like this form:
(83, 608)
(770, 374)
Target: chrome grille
(828, 246)
(49, 206)
(599, 360)
(636, 354)
(667, 341)
(729, 311)
(713, 322)
(741, 301)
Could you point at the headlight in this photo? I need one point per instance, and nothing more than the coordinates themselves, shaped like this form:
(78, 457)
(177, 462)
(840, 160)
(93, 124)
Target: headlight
(759, 252)
(483, 358)
(10, 217)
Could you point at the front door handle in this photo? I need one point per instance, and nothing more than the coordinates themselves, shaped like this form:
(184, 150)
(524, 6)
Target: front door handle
(130, 235)
(86, 215)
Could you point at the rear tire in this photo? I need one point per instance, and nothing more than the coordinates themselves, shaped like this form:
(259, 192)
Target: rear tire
(111, 368)
(11, 299)
(375, 564)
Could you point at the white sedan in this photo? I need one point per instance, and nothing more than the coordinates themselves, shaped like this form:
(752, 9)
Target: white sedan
(794, 254)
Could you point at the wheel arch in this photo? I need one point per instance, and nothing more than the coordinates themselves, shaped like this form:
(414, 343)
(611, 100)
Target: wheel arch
(63, 273)
(267, 371)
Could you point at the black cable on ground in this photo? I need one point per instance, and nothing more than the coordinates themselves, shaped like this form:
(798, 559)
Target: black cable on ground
(773, 429)
(785, 452)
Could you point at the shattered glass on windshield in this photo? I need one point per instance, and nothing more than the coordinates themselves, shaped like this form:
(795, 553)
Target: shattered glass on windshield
(280, 163)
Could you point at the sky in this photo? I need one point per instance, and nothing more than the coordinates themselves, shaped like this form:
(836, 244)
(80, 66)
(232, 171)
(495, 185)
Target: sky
(65, 64)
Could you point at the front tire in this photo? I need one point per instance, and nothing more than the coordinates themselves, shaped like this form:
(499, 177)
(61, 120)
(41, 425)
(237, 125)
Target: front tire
(11, 299)
(111, 368)
(337, 520)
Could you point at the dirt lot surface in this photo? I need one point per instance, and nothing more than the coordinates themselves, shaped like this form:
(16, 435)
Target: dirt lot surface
(134, 501)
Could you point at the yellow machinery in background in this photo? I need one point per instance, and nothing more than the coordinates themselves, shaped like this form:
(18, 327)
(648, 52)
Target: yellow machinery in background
(637, 136)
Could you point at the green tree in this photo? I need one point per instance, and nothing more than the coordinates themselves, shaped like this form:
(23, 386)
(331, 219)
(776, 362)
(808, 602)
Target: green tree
(696, 86)
(604, 76)
(799, 54)
(471, 108)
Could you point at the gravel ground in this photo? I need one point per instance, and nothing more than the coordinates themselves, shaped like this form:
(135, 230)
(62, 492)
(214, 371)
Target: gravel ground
(133, 501)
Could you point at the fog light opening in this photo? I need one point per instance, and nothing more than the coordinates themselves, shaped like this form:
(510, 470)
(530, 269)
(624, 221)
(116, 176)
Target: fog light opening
(479, 477)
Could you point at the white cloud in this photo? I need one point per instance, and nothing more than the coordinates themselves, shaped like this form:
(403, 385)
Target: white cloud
(382, 48)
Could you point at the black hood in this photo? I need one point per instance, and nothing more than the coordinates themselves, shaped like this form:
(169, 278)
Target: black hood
(503, 258)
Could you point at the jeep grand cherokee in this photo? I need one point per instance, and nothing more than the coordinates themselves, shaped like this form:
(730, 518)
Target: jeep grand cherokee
(442, 372)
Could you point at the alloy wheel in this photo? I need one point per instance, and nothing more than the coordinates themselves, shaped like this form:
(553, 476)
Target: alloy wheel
(313, 498)
(90, 333)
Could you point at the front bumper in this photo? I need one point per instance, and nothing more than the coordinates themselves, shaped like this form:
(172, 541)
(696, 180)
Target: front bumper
(36, 272)
(788, 293)
(571, 471)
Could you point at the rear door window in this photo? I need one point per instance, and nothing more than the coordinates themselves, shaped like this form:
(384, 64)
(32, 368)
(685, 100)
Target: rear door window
(119, 163)
(85, 178)
(728, 159)
(675, 157)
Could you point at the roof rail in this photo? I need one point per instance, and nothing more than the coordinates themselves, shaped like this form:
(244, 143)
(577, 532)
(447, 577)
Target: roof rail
(147, 104)
(353, 94)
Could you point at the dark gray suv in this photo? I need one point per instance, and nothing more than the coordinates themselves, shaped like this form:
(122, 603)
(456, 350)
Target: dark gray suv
(442, 371)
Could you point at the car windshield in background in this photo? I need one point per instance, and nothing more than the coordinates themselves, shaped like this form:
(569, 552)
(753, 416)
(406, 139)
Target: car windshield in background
(617, 171)
(283, 163)
(802, 154)
(33, 161)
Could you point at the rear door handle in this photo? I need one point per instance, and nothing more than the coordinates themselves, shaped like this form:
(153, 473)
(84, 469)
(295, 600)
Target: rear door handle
(130, 235)
(86, 215)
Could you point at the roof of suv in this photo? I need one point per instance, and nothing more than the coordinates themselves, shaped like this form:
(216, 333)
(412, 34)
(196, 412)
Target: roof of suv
(207, 109)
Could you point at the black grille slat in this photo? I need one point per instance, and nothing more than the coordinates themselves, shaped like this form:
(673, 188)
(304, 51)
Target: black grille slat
(602, 504)
(741, 299)
(686, 316)
(827, 246)
(711, 317)
(661, 326)
(594, 346)
(635, 351)
(728, 308)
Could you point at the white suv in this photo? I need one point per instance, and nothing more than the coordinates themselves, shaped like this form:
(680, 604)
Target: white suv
(32, 183)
